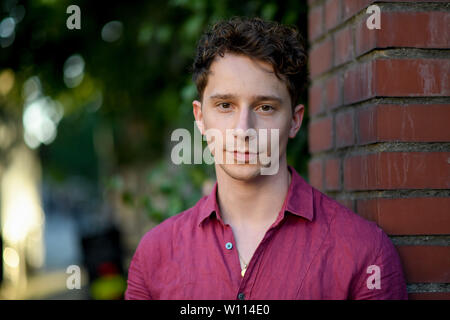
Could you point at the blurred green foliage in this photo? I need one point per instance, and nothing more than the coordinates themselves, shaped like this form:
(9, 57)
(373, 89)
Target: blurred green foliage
(135, 90)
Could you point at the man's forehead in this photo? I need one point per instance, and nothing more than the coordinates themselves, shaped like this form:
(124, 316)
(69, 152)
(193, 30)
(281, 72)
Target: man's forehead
(241, 76)
(268, 96)
(231, 59)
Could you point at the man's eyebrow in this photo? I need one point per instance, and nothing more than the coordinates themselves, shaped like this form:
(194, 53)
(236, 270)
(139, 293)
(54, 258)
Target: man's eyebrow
(220, 96)
(268, 98)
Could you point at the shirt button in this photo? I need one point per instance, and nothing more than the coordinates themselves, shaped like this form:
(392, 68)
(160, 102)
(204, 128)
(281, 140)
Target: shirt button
(241, 296)
(229, 245)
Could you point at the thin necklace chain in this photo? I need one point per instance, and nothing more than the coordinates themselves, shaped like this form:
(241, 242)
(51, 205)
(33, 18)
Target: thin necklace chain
(245, 265)
(240, 257)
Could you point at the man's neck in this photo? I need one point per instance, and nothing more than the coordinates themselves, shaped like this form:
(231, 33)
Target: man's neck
(254, 204)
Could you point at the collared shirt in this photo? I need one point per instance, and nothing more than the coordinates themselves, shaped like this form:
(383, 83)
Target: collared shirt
(316, 249)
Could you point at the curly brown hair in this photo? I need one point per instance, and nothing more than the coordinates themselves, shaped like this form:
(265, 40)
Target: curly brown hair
(280, 45)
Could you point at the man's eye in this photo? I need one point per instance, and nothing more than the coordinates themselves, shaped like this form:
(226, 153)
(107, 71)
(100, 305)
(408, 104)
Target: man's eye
(224, 106)
(266, 108)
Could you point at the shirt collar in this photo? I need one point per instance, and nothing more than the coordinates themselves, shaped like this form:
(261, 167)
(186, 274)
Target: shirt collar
(298, 201)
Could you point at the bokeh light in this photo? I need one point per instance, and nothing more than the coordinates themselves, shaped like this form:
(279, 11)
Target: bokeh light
(41, 114)
(112, 31)
(73, 70)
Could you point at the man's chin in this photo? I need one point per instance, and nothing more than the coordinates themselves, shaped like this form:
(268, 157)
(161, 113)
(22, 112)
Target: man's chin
(242, 172)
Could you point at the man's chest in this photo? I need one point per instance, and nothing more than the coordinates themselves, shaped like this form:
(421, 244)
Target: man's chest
(247, 242)
(276, 269)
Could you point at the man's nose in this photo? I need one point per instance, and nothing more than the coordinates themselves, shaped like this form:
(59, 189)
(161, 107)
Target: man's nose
(245, 127)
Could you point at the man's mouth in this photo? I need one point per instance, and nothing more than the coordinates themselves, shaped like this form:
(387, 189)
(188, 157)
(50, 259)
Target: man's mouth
(245, 156)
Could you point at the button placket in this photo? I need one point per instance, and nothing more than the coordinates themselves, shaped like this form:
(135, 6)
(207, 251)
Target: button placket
(228, 240)
(231, 250)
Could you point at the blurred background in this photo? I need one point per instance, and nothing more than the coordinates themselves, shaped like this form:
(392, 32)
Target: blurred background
(85, 123)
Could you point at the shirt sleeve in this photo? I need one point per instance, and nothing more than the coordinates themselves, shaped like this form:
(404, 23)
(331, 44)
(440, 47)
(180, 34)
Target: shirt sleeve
(382, 278)
(136, 288)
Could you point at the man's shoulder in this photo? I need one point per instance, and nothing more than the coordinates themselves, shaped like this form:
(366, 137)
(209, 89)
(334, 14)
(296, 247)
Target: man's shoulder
(363, 243)
(173, 226)
(345, 226)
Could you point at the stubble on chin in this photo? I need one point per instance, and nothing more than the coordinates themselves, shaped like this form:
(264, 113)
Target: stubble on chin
(241, 172)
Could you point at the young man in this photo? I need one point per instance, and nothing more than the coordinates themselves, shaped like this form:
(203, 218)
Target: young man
(260, 236)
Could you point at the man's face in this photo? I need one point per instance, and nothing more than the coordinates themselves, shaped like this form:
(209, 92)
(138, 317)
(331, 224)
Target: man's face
(243, 96)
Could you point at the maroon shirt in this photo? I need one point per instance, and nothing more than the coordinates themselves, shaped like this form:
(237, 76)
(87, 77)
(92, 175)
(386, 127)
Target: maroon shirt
(316, 249)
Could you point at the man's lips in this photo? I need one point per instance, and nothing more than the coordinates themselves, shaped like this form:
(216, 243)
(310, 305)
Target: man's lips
(245, 156)
(241, 152)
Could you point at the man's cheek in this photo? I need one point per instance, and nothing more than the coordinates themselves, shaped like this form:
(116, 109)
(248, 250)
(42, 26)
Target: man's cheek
(270, 159)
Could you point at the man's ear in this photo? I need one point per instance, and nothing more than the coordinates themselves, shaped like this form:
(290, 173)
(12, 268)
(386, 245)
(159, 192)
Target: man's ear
(296, 121)
(198, 115)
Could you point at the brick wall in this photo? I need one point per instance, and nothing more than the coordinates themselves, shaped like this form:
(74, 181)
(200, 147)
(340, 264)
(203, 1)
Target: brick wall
(379, 131)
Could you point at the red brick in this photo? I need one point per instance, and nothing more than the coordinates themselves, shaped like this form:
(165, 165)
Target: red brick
(315, 173)
(345, 133)
(397, 78)
(333, 90)
(413, 123)
(429, 296)
(367, 39)
(405, 29)
(333, 174)
(320, 135)
(352, 7)
(424, 264)
(315, 99)
(397, 170)
(332, 13)
(343, 44)
(321, 58)
(419, 1)
(358, 83)
(412, 77)
(408, 216)
(315, 23)
(367, 124)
